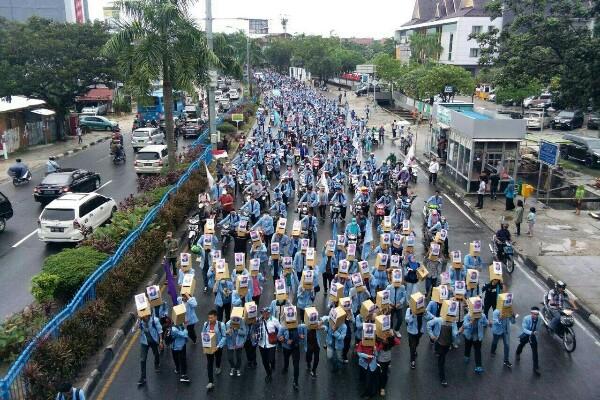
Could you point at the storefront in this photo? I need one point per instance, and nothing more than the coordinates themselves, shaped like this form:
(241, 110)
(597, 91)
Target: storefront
(469, 143)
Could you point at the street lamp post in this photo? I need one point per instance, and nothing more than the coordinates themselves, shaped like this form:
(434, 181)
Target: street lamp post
(212, 123)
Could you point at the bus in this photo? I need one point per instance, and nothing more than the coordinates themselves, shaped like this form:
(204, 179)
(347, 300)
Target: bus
(152, 107)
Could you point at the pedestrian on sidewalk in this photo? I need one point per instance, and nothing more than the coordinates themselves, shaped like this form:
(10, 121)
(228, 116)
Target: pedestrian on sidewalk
(531, 217)
(79, 134)
(150, 338)
(394, 129)
(480, 192)
(519, 216)
(509, 195)
(4, 146)
(434, 168)
(579, 193)
(529, 335)
(494, 180)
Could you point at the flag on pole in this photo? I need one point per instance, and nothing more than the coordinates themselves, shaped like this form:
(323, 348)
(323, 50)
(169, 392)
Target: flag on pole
(209, 178)
(366, 250)
(324, 183)
(171, 287)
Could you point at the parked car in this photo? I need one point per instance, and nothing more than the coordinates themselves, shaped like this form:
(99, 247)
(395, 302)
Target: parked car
(542, 101)
(151, 159)
(233, 94)
(97, 109)
(58, 183)
(218, 95)
(527, 101)
(96, 123)
(6, 211)
(568, 120)
(224, 105)
(193, 128)
(142, 137)
(537, 119)
(365, 89)
(593, 121)
(581, 148)
(63, 219)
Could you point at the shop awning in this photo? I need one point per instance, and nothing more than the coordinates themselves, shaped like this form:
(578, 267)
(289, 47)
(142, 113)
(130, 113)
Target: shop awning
(43, 111)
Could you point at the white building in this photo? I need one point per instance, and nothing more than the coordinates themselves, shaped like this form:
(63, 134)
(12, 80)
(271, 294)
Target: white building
(453, 21)
(74, 11)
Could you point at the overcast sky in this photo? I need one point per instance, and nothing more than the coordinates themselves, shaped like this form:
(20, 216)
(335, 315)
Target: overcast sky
(349, 18)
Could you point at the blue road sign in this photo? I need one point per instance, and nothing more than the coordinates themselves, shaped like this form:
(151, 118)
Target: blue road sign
(548, 153)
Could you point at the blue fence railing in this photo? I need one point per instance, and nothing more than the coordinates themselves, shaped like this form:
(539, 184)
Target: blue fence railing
(13, 385)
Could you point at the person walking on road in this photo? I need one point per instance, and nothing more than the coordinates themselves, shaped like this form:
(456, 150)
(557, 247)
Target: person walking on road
(150, 338)
(480, 192)
(291, 339)
(179, 337)
(529, 332)
(171, 249)
(268, 328)
(434, 168)
(579, 193)
(473, 330)
(501, 330)
(214, 360)
(66, 391)
(443, 334)
(519, 216)
(79, 135)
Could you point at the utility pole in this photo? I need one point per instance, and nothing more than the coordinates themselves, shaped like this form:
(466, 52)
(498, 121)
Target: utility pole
(212, 123)
(248, 63)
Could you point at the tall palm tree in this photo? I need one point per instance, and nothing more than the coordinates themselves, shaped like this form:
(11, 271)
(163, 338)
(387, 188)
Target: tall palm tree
(425, 47)
(158, 39)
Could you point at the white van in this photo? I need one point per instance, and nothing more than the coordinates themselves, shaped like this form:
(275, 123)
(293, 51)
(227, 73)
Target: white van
(218, 95)
(142, 137)
(63, 218)
(151, 159)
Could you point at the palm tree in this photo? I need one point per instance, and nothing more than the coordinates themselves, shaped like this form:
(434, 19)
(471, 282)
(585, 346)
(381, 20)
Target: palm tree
(158, 39)
(425, 48)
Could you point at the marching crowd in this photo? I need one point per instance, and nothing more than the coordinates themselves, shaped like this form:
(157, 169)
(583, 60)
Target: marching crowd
(310, 155)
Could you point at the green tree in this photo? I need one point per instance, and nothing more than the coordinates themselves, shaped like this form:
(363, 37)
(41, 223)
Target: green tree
(425, 48)
(160, 40)
(388, 68)
(53, 61)
(278, 53)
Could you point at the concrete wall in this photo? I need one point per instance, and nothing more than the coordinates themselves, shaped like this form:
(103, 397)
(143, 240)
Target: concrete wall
(462, 43)
(21, 10)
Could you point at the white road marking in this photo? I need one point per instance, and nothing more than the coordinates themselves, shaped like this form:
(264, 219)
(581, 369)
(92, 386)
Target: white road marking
(543, 289)
(24, 239)
(103, 185)
(461, 210)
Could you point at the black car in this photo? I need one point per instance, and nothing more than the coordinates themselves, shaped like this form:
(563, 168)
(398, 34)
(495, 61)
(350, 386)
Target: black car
(584, 149)
(594, 121)
(366, 89)
(58, 183)
(6, 211)
(193, 128)
(568, 120)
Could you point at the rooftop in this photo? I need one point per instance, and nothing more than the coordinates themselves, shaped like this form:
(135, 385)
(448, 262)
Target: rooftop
(436, 10)
(14, 103)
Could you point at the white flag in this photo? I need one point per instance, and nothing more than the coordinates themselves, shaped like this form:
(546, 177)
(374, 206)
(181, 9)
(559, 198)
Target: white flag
(324, 183)
(211, 180)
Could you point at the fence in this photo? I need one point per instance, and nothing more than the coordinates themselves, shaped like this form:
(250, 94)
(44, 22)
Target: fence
(13, 386)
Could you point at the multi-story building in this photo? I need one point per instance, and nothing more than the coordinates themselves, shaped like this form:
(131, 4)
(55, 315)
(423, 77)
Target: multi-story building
(75, 11)
(453, 21)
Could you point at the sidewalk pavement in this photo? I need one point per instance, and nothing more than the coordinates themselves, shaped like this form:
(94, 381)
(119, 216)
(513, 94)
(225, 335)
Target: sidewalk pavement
(36, 156)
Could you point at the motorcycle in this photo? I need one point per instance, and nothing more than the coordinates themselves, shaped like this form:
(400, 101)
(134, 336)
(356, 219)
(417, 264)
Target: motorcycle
(269, 167)
(119, 158)
(507, 258)
(427, 208)
(565, 331)
(302, 210)
(335, 211)
(379, 213)
(22, 180)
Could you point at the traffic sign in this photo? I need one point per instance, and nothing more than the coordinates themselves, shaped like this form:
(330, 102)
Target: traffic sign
(237, 117)
(548, 153)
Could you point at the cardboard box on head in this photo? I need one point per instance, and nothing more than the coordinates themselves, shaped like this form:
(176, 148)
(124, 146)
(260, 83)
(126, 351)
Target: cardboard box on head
(308, 279)
(417, 303)
(311, 318)
(346, 304)
(395, 261)
(209, 226)
(449, 312)
(367, 307)
(385, 240)
(254, 266)
(397, 277)
(382, 299)
(383, 326)
(280, 290)
(242, 228)
(434, 251)
(304, 245)
(330, 248)
(357, 282)
(456, 258)
(504, 303)
(209, 342)
(296, 228)
(311, 257)
(222, 270)
(216, 255)
(142, 305)
(207, 241)
(365, 270)
(237, 315)
(341, 242)
(475, 305)
(368, 334)
(255, 237)
(188, 285)
(281, 225)
(387, 223)
(250, 312)
(409, 242)
(406, 227)
(178, 314)
(475, 248)
(154, 296)
(185, 261)
(443, 235)
(336, 292)
(337, 316)
(496, 271)
(381, 261)
(344, 268)
(239, 260)
(445, 278)
(422, 272)
(351, 253)
(472, 278)
(440, 293)
(288, 265)
(397, 240)
(290, 317)
(460, 290)
(275, 250)
(241, 284)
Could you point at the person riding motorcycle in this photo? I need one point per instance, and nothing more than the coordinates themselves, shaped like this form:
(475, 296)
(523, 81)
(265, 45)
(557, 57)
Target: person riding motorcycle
(433, 218)
(340, 197)
(18, 169)
(438, 226)
(352, 229)
(255, 189)
(557, 299)
(386, 200)
(362, 199)
(502, 236)
(311, 198)
(279, 208)
(52, 166)
(436, 200)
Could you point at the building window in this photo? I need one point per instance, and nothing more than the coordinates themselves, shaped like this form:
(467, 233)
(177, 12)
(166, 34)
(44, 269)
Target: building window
(474, 52)
(491, 28)
(450, 46)
(476, 29)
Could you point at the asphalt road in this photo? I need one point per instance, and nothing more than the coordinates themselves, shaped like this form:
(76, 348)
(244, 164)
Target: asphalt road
(21, 253)
(563, 375)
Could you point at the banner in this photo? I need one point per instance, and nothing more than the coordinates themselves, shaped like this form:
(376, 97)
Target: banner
(258, 26)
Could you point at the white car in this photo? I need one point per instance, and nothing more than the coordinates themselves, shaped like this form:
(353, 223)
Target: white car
(151, 159)
(233, 94)
(143, 137)
(63, 218)
(218, 95)
(537, 119)
(99, 109)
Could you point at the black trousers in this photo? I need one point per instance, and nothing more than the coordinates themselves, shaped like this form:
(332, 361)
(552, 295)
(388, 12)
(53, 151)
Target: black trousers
(383, 374)
(192, 333)
(144, 356)
(347, 340)
(213, 360)
(476, 344)
(180, 360)
(173, 262)
(250, 352)
(432, 177)
(479, 200)
(518, 225)
(523, 340)
(267, 356)
(312, 356)
(413, 343)
(441, 351)
(322, 209)
(371, 382)
(224, 309)
(295, 353)
(327, 278)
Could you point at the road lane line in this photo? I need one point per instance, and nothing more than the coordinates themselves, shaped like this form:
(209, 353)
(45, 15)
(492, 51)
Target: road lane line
(103, 185)
(461, 210)
(24, 239)
(108, 383)
(544, 289)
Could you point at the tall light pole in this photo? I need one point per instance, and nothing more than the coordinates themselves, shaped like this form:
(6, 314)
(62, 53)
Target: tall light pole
(212, 74)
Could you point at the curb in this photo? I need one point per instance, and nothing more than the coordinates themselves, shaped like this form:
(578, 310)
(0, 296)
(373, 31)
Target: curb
(82, 147)
(583, 310)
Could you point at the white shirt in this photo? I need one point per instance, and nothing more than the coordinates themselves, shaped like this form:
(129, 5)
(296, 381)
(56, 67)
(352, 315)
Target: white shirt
(481, 187)
(434, 167)
(272, 326)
